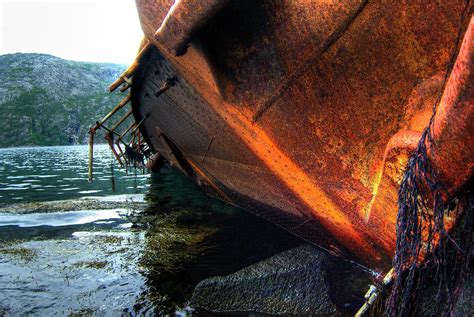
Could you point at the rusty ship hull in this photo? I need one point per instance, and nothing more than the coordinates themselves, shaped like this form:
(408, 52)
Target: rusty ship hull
(305, 112)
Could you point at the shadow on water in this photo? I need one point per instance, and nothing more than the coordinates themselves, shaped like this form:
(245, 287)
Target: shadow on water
(191, 236)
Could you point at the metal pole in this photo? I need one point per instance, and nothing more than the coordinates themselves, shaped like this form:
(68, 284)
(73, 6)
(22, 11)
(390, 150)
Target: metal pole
(374, 292)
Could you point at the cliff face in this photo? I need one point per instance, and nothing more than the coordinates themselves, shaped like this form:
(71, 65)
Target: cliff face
(45, 100)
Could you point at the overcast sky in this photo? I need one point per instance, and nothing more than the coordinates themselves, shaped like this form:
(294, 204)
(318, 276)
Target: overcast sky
(83, 30)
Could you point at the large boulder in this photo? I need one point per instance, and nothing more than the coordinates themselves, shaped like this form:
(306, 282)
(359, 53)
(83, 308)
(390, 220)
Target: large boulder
(293, 282)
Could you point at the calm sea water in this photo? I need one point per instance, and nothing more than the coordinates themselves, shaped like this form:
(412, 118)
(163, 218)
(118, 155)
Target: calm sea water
(69, 247)
(53, 173)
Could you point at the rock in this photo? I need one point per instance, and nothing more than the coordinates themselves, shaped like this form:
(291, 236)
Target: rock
(465, 304)
(427, 304)
(71, 205)
(293, 282)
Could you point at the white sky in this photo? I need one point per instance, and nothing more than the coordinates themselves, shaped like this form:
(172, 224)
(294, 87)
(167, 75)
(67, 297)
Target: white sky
(82, 30)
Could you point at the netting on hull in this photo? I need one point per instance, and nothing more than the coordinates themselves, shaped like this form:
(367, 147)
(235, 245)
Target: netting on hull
(424, 247)
(421, 234)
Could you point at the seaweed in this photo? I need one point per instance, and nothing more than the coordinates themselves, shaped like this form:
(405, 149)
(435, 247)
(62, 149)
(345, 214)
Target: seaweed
(21, 253)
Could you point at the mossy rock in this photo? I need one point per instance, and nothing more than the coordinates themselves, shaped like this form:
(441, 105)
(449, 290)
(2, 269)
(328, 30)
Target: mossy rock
(290, 283)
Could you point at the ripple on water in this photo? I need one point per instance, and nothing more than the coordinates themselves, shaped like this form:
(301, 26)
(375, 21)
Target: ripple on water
(69, 189)
(92, 191)
(48, 171)
(18, 177)
(20, 185)
(125, 225)
(117, 198)
(13, 188)
(138, 176)
(57, 219)
(20, 167)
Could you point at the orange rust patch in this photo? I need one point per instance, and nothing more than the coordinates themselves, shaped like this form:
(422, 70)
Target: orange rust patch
(291, 176)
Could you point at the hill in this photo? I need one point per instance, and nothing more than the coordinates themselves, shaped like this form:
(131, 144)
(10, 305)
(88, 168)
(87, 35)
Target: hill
(46, 100)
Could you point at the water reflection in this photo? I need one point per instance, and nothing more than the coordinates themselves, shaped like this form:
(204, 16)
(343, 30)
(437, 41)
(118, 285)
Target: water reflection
(68, 247)
(191, 236)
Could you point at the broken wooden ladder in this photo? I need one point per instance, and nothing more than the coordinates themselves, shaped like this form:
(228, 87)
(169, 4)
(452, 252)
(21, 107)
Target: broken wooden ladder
(135, 147)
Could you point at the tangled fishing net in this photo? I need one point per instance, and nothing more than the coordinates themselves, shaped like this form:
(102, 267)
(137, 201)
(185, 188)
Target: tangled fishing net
(423, 243)
(426, 252)
(135, 156)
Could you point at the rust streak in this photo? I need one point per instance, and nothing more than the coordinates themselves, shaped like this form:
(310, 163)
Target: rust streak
(208, 180)
(301, 69)
(289, 173)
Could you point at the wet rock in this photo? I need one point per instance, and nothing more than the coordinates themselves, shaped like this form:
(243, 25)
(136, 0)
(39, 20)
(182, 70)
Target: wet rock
(129, 201)
(292, 282)
(465, 304)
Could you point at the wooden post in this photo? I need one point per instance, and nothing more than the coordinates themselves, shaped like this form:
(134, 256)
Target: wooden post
(139, 124)
(126, 86)
(126, 131)
(91, 152)
(112, 176)
(125, 76)
(134, 126)
(132, 141)
(119, 106)
(109, 138)
(117, 143)
(116, 125)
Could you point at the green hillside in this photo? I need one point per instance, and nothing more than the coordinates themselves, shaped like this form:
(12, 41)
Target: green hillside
(45, 100)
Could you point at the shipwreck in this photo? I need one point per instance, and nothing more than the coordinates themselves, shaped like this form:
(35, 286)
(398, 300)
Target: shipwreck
(339, 121)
